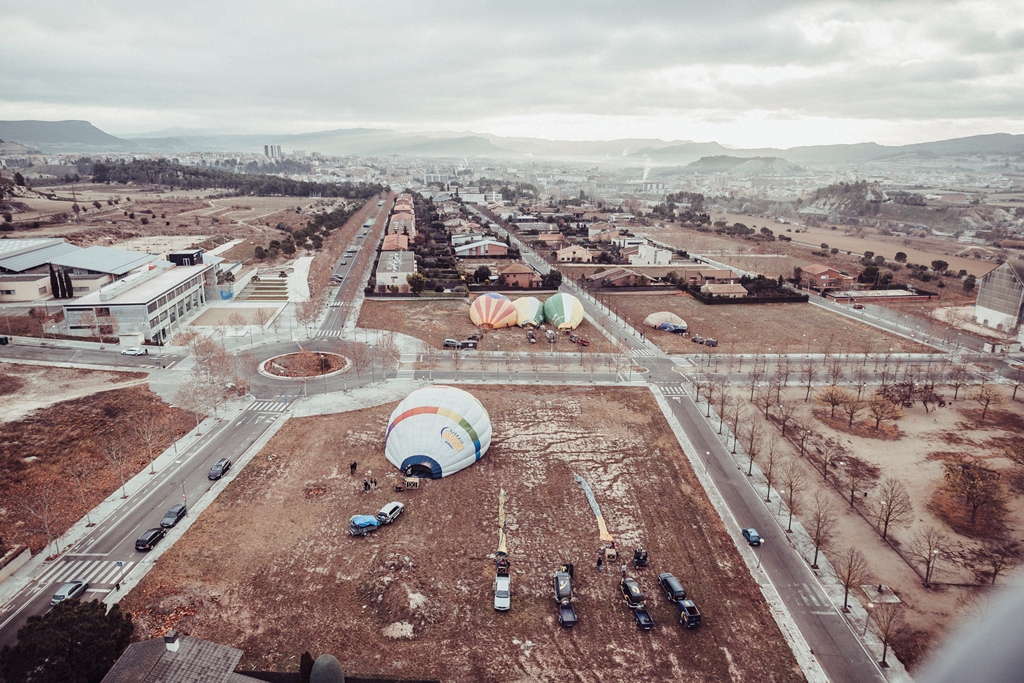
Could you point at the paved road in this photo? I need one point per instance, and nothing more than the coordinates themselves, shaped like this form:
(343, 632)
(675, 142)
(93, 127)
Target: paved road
(94, 558)
(51, 352)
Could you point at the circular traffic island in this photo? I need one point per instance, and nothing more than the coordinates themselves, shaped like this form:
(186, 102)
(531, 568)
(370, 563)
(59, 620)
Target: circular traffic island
(305, 364)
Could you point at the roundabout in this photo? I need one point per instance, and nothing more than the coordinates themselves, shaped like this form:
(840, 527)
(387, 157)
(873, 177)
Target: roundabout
(304, 364)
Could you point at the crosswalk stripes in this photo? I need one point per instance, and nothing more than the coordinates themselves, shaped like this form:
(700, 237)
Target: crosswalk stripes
(93, 572)
(335, 304)
(329, 333)
(672, 390)
(275, 406)
(641, 353)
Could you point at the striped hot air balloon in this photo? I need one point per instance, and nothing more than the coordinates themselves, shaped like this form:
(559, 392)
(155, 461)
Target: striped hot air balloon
(493, 311)
(564, 311)
(437, 431)
(529, 311)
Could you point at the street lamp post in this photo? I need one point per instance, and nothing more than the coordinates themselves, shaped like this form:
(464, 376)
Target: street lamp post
(867, 618)
(707, 456)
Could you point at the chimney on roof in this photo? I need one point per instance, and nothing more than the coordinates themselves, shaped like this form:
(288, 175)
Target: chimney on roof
(171, 640)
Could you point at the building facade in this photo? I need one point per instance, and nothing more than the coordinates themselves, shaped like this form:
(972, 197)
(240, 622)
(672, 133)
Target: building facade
(1001, 297)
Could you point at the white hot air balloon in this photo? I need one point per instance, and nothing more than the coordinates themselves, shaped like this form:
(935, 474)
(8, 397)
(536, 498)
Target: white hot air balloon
(437, 431)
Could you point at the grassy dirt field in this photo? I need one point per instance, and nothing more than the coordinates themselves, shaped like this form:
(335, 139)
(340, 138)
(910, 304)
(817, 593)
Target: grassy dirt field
(434, 320)
(57, 421)
(782, 328)
(415, 599)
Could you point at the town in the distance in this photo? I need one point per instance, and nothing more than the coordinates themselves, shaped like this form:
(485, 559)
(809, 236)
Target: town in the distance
(372, 405)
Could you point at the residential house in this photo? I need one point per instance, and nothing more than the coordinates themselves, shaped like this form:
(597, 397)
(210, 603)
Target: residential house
(465, 238)
(615, 277)
(574, 254)
(702, 276)
(552, 240)
(395, 243)
(728, 291)
(648, 255)
(482, 248)
(393, 269)
(820, 277)
(520, 275)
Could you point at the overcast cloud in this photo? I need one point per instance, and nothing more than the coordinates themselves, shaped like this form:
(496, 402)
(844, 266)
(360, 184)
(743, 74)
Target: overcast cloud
(746, 73)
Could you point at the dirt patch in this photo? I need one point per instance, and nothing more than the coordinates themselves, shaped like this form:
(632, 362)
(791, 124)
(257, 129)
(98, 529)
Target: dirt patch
(290, 578)
(39, 386)
(214, 317)
(757, 328)
(305, 364)
(39, 452)
(434, 320)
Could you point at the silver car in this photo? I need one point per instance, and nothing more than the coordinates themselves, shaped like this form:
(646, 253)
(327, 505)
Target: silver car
(71, 590)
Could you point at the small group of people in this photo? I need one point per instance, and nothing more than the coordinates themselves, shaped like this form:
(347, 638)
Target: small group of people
(369, 484)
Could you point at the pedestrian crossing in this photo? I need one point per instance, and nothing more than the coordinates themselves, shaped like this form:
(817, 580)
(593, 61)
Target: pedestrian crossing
(672, 390)
(335, 304)
(94, 572)
(273, 406)
(641, 353)
(329, 333)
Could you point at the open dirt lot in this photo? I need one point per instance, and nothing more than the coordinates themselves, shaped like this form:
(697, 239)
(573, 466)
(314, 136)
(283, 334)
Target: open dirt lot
(213, 317)
(912, 450)
(783, 328)
(56, 421)
(288, 577)
(434, 320)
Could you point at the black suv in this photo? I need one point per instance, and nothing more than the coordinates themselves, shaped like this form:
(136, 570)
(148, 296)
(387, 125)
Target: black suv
(674, 590)
(173, 516)
(148, 539)
(220, 468)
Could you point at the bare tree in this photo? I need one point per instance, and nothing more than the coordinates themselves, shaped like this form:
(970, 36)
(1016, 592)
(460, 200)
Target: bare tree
(590, 362)
(881, 410)
(457, 360)
(150, 428)
(987, 396)
(725, 401)
(786, 412)
(995, 557)
(44, 510)
(738, 415)
(821, 524)
(536, 360)
(835, 374)
(830, 451)
(792, 484)
(766, 398)
(260, 317)
(561, 360)
(387, 352)
(361, 359)
(959, 377)
(887, 622)
(784, 370)
(852, 406)
(753, 450)
(754, 380)
(189, 396)
(809, 373)
(857, 477)
(80, 471)
(753, 433)
(860, 379)
(431, 356)
(926, 547)
(700, 381)
(772, 456)
(894, 506)
(832, 397)
(117, 451)
(236, 321)
(978, 486)
(851, 569)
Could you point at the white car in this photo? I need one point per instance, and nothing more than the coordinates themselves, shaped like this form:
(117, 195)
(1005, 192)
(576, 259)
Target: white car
(502, 593)
(390, 512)
(133, 351)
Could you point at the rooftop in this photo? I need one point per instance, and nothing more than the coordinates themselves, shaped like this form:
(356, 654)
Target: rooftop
(105, 260)
(144, 292)
(21, 256)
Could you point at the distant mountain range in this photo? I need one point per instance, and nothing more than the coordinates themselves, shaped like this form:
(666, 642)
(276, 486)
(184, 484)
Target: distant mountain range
(82, 137)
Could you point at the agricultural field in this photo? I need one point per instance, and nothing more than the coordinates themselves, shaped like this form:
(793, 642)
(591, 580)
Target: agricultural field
(434, 320)
(762, 328)
(415, 599)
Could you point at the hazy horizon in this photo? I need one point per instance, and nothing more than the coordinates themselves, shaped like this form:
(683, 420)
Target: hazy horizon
(748, 75)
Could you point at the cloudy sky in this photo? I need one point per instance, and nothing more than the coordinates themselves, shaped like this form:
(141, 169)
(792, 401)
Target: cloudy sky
(743, 72)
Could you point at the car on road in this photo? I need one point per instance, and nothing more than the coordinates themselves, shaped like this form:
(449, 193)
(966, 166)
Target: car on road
(149, 538)
(173, 516)
(753, 538)
(673, 589)
(72, 590)
(858, 306)
(133, 351)
(390, 512)
(219, 469)
(502, 592)
(338, 278)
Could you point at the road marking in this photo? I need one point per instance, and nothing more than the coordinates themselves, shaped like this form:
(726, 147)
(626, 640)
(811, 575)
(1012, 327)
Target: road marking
(329, 333)
(274, 406)
(92, 572)
(641, 353)
(672, 390)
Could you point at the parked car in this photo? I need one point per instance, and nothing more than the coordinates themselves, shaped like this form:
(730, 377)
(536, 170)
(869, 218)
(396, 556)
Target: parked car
(753, 538)
(173, 516)
(710, 341)
(551, 336)
(148, 539)
(219, 469)
(644, 620)
(133, 351)
(689, 615)
(474, 337)
(673, 589)
(72, 590)
(452, 344)
(563, 596)
(390, 512)
(858, 306)
(502, 592)
(531, 336)
(631, 593)
(468, 344)
(697, 339)
(360, 525)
